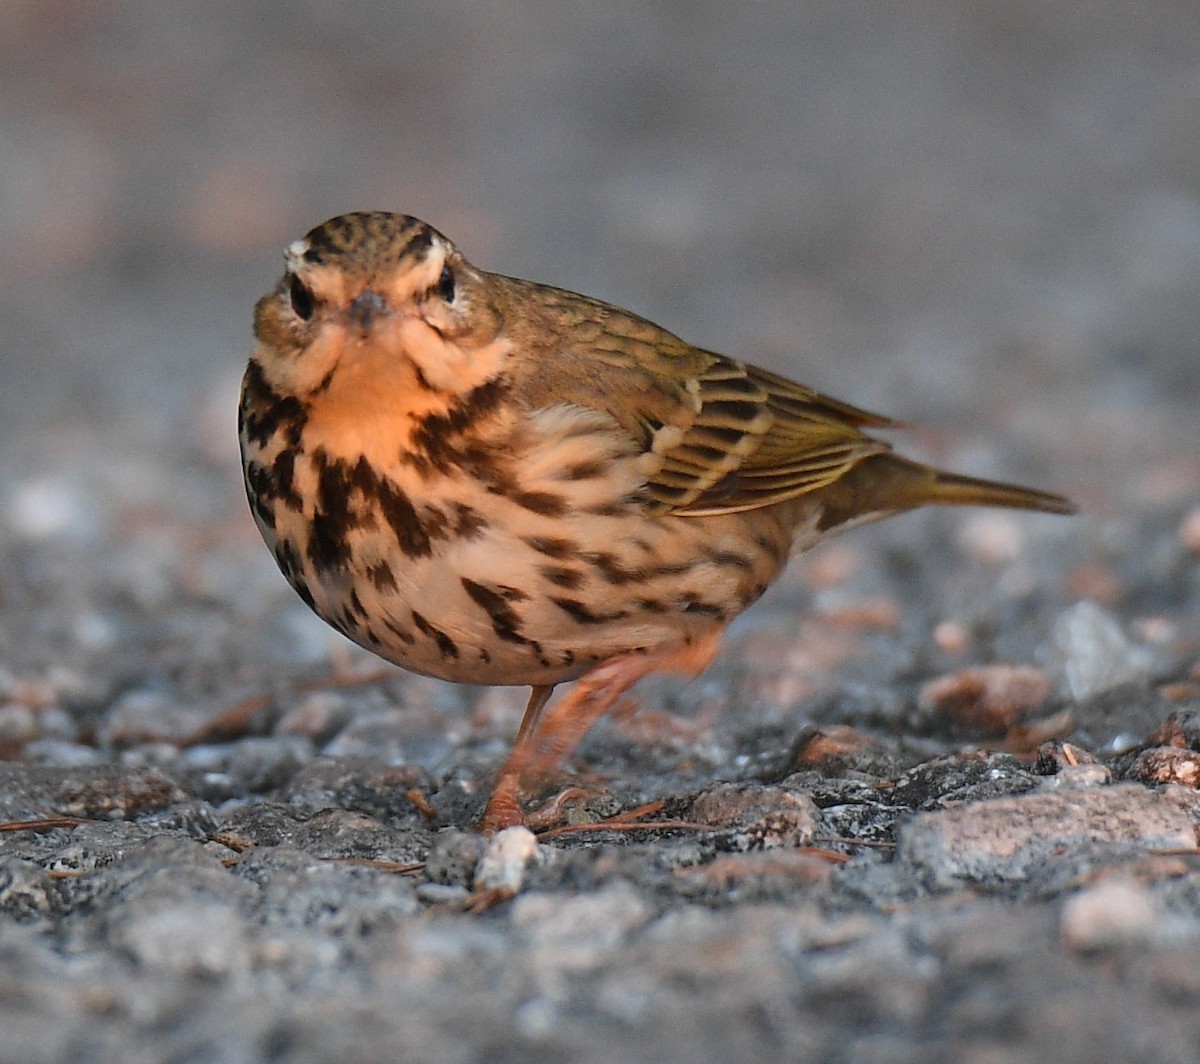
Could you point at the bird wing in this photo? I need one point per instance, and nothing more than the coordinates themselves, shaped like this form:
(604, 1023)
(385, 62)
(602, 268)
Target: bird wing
(718, 435)
(753, 439)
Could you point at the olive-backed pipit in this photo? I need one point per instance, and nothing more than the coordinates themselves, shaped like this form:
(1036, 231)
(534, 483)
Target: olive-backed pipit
(493, 481)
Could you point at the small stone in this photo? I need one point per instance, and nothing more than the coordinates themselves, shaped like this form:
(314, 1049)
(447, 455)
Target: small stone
(25, 888)
(139, 716)
(577, 933)
(382, 734)
(93, 631)
(450, 894)
(363, 784)
(56, 723)
(103, 792)
(204, 937)
(872, 615)
(989, 698)
(1070, 767)
(1055, 756)
(249, 766)
(1179, 728)
(1115, 912)
(817, 746)
(454, 857)
(60, 752)
(501, 869)
(755, 817)
(1095, 654)
(1167, 764)
(786, 867)
(1009, 839)
(1096, 582)
(1077, 777)
(319, 716)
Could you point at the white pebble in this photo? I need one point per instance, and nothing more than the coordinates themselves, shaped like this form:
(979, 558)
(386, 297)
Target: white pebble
(502, 866)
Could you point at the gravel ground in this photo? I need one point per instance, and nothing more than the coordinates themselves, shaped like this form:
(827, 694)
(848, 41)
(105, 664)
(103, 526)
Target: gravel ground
(937, 801)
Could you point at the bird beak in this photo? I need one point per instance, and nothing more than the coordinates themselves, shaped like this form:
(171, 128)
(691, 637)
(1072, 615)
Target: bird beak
(366, 306)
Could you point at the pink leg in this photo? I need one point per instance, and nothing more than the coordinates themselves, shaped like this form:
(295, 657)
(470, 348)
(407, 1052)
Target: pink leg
(504, 806)
(545, 739)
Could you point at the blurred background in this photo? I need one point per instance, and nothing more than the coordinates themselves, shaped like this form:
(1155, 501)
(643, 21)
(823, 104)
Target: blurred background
(967, 214)
(980, 218)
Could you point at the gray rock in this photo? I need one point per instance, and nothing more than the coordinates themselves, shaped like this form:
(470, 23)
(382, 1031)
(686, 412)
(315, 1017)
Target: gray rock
(1003, 840)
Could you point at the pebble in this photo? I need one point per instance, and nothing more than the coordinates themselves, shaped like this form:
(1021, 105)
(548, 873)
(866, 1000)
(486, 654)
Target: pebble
(507, 854)
(450, 894)
(1117, 911)
(56, 723)
(989, 697)
(758, 817)
(1008, 839)
(60, 752)
(382, 734)
(1079, 777)
(951, 636)
(1095, 654)
(318, 715)
(148, 715)
(202, 937)
(1167, 764)
(578, 933)
(249, 766)
(453, 857)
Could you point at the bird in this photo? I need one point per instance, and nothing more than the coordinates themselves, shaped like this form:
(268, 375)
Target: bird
(494, 481)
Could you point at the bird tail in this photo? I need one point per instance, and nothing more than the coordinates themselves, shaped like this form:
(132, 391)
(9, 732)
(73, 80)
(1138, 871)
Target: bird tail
(886, 484)
(953, 489)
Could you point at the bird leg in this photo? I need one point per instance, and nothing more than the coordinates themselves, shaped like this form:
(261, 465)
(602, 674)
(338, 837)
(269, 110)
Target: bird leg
(545, 739)
(538, 697)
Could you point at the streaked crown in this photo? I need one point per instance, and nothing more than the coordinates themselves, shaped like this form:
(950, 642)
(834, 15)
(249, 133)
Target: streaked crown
(370, 242)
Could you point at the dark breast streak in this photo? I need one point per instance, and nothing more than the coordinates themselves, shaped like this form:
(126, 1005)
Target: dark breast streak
(351, 497)
(344, 531)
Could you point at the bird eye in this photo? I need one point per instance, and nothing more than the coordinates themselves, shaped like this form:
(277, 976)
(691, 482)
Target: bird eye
(301, 297)
(445, 285)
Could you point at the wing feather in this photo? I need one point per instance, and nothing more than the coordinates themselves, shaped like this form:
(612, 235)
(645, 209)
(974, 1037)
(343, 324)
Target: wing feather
(757, 439)
(718, 435)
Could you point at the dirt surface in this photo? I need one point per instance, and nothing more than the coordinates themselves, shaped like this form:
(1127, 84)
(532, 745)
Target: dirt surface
(937, 800)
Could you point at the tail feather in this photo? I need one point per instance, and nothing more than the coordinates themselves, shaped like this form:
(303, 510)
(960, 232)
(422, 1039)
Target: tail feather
(953, 489)
(886, 484)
